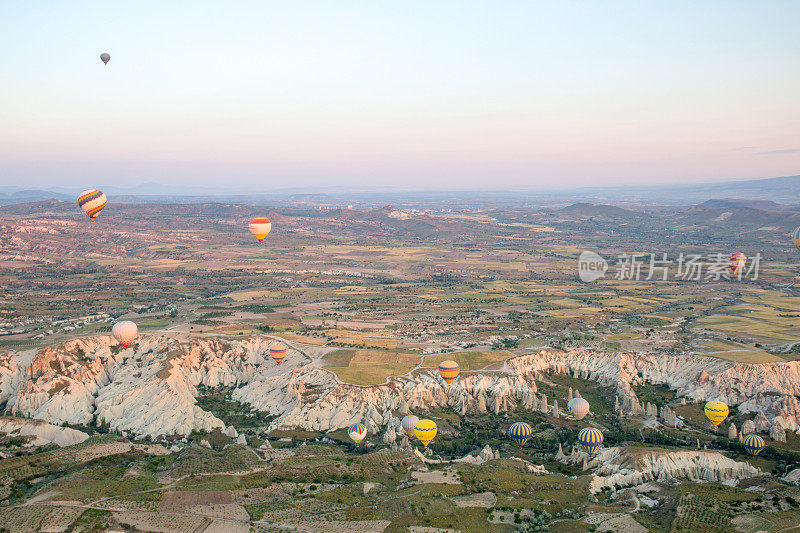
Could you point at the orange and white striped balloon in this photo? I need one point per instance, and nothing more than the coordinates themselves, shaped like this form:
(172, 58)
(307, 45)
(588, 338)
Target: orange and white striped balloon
(92, 202)
(449, 371)
(736, 262)
(278, 353)
(260, 227)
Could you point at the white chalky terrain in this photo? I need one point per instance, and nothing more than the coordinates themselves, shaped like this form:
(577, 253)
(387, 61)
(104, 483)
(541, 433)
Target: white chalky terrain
(41, 431)
(619, 467)
(150, 388)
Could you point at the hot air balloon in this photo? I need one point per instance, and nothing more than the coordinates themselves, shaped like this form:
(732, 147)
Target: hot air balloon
(92, 202)
(278, 352)
(425, 430)
(753, 444)
(105, 58)
(124, 332)
(736, 262)
(357, 432)
(578, 407)
(520, 433)
(449, 371)
(591, 439)
(716, 411)
(796, 238)
(260, 227)
(408, 423)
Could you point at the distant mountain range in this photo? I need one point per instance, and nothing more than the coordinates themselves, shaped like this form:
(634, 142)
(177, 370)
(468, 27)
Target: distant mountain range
(769, 194)
(729, 212)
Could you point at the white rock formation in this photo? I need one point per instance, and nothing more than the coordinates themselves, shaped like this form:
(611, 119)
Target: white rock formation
(624, 468)
(762, 422)
(777, 433)
(481, 457)
(769, 388)
(792, 477)
(150, 388)
(732, 434)
(42, 432)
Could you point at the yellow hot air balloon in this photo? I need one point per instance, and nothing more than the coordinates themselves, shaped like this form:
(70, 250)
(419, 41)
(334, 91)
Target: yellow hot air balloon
(716, 411)
(520, 433)
(260, 227)
(425, 430)
(591, 439)
(92, 202)
(753, 444)
(796, 238)
(449, 370)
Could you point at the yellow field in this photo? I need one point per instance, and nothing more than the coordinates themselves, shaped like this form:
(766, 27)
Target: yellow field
(771, 329)
(251, 294)
(368, 367)
(622, 336)
(572, 313)
(739, 353)
(293, 337)
(471, 361)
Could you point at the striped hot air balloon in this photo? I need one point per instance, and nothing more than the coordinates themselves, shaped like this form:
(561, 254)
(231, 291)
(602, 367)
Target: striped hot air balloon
(578, 407)
(716, 411)
(357, 432)
(425, 430)
(408, 423)
(125, 332)
(736, 262)
(449, 370)
(260, 227)
(277, 352)
(520, 433)
(753, 444)
(92, 202)
(591, 439)
(796, 238)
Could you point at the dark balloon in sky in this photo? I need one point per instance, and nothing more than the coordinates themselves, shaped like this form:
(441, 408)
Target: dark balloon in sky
(105, 58)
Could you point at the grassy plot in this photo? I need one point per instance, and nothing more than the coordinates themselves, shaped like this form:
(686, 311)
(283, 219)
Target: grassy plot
(91, 484)
(369, 367)
(738, 352)
(471, 361)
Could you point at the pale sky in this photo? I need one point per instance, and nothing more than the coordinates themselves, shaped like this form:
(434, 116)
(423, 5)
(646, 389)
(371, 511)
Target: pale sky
(460, 94)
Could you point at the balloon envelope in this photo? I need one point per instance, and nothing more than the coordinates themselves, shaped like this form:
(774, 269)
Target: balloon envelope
(92, 202)
(260, 227)
(357, 432)
(796, 238)
(449, 370)
(753, 444)
(408, 423)
(124, 332)
(425, 430)
(578, 407)
(105, 58)
(278, 352)
(520, 433)
(716, 411)
(736, 262)
(591, 439)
